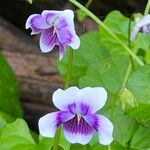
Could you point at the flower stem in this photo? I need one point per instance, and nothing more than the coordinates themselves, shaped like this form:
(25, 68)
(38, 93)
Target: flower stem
(56, 139)
(98, 21)
(69, 69)
(147, 8)
(67, 83)
(88, 3)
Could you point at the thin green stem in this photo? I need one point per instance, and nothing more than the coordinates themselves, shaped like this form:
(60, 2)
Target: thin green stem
(67, 83)
(109, 147)
(98, 21)
(69, 69)
(129, 39)
(147, 8)
(130, 66)
(127, 75)
(57, 139)
(88, 3)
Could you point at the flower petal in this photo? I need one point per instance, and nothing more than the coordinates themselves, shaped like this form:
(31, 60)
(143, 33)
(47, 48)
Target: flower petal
(36, 22)
(78, 132)
(140, 24)
(49, 123)
(48, 40)
(66, 30)
(103, 126)
(143, 21)
(75, 42)
(93, 98)
(105, 129)
(63, 99)
(65, 19)
(61, 51)
(50, 15)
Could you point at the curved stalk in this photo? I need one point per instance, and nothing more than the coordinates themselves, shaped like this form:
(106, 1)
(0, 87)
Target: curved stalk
(98, 21)
(147, 8)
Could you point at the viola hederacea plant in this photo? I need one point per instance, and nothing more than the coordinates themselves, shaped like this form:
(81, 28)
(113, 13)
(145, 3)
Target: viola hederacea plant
(77, 108)
(102, 101)
(56, 28)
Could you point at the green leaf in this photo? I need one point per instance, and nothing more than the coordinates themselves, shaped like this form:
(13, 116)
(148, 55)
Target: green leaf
(48, 143)
(80, 147)
(9, 90)
(30, 1)
(90, 52)
(2, 123)
(124, 128)
(108, 73)
(141, 139)
(113, 146)
(139, 84)
(16, 134)
(118, 24)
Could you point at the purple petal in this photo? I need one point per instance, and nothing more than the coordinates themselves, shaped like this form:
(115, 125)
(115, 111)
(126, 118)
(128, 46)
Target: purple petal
(66, 30)
(48, 40)
(65, 19)
(61, 51)
(105, 129)
(49, 123)
(78, 132)
(92, 98)
(37, 23)
(62, 99)
(103, 126)
(50, 15)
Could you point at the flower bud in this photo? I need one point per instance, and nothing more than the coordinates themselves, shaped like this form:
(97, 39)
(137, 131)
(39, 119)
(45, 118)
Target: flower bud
(126, 97)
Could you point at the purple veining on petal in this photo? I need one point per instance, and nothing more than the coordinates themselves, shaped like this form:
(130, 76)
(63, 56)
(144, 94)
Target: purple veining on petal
(48, 40)
(74, 127)
(63, 116)
(72, 108)
(92, 120)
(64, 35)
(61, 50)
(61, 23)
(84, 109)
(39, 22)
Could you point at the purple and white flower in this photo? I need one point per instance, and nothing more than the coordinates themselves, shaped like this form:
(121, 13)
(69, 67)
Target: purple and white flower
(143, 25)
(56, 28)
(77, 108)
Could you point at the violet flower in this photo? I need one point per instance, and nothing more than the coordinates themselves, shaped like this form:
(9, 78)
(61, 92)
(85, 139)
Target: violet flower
(56, 28)
(143, 25)
(77, 108)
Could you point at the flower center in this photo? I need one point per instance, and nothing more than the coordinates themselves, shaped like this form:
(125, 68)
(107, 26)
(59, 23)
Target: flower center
(79, 116)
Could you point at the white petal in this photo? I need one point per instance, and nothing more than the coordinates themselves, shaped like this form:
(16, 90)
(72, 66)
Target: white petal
(62, 98)
(143, 21)
(67, 17)
(134, 32)
(94, 98)
(140, 24)
(48, 124)
(105, 130)
(75, 43)
(77, 138)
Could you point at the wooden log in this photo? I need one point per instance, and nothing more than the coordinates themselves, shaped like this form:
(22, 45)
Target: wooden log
(37, 73)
